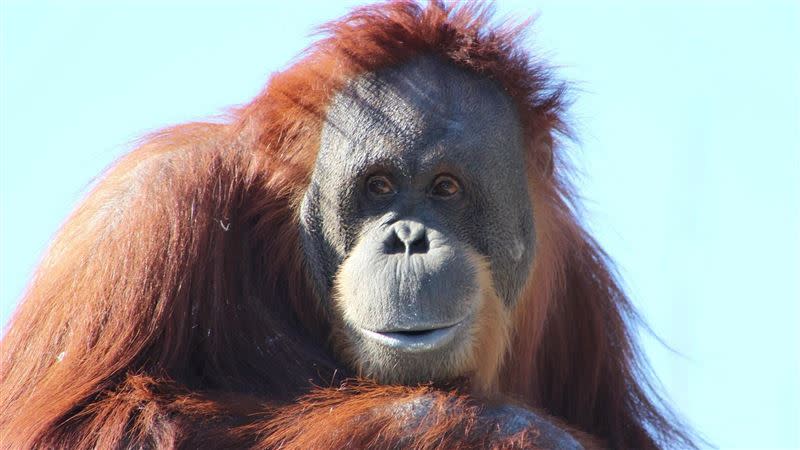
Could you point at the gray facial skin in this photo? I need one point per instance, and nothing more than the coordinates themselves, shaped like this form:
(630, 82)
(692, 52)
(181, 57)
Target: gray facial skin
(408, 288)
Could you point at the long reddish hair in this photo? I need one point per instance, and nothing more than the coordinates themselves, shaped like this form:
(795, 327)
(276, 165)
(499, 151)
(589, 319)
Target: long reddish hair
(174, 299)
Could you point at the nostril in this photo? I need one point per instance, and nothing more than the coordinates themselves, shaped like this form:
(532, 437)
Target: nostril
(419, 245)
(395, 245)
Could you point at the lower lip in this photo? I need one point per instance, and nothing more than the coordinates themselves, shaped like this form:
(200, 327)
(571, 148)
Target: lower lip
(417, 343)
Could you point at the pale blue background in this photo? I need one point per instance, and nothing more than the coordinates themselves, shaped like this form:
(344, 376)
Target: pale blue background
(688, 115)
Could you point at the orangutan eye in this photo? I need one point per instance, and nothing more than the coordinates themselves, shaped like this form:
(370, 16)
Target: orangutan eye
(379, 185)
(445, 186)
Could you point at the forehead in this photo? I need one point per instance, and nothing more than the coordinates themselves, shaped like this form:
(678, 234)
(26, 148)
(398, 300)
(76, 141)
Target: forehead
(423, 112)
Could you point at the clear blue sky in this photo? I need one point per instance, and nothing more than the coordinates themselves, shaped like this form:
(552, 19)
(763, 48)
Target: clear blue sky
(689, 121)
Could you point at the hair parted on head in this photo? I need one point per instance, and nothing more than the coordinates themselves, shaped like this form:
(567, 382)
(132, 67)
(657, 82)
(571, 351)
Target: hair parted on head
(289, 112)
